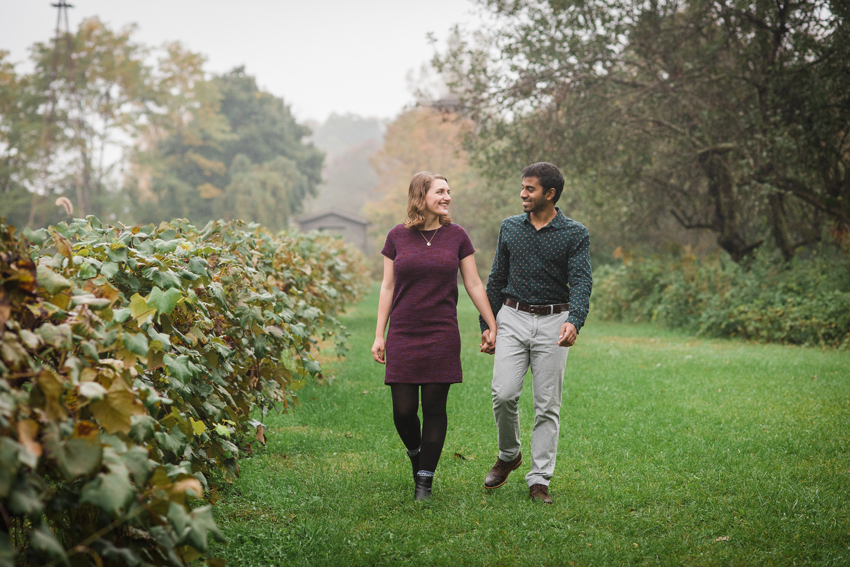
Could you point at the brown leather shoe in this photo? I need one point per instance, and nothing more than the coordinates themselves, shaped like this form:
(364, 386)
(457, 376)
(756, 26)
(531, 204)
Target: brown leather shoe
(539, 493)
(498, 475)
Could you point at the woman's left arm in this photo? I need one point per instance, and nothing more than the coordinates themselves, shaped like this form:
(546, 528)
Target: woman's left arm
(477, 293)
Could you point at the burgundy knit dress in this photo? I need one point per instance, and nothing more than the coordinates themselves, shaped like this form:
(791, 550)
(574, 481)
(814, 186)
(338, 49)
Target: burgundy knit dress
(423, 342)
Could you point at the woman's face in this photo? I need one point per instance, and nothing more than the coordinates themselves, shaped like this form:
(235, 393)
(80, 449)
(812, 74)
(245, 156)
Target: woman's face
(438, 197)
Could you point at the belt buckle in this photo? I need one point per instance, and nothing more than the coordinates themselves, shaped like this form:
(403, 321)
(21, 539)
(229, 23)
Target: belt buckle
(541, 309)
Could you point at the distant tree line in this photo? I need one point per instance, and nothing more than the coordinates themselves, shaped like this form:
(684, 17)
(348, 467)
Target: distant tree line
(121, 138)
(726, 116)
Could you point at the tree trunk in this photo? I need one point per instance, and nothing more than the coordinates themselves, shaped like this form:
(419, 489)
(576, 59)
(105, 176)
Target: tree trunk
(779, 225)
(726, 221)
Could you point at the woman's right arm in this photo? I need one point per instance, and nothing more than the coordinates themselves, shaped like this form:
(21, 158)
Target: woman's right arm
(385, 303)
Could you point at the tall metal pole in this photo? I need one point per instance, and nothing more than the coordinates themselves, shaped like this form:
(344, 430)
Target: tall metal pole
(48, 122)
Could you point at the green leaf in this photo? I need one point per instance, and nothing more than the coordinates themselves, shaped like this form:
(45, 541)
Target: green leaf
(164, 301)
(187, 275)
(109, 269)
(37, 237)
(87, 271)
(198, 266)
(174, 442)
(119, 555)
(312, 366)
(156, 336)
(166, 247)
(23, 499)
(8, 464)
(80, 456)
(166, 279)
(94, 303)
(111, 491)
(142, 428)
(43, 540)
(57, 336)
(50, 280)
(137, 344)
(140, 466)
(178, 367)
(121, 315)
(116, 255)
(311, 313)
(193, 527)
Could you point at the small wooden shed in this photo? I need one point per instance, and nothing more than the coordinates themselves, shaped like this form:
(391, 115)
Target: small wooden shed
(351, 227)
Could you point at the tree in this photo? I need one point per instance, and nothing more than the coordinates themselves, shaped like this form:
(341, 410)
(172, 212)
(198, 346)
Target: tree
(240, 155)
(425, 139)
(98, 80)
(730, 115)
(66, 125)
(20, 127)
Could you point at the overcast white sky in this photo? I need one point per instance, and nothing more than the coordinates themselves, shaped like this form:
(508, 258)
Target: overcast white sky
(321, 56)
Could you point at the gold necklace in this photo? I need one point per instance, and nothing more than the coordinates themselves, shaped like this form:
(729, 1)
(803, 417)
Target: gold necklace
(428, 242)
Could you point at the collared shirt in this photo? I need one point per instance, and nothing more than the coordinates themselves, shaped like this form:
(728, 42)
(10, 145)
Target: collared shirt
(542, 267)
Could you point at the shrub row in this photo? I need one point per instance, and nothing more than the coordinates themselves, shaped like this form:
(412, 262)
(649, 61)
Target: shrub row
(133, 360)
(805, 301)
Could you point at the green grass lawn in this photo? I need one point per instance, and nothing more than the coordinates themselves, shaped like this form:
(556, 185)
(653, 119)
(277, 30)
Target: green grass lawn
(673, 450)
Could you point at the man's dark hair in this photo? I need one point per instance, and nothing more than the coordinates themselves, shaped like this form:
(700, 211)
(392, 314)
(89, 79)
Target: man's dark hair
(548, 175)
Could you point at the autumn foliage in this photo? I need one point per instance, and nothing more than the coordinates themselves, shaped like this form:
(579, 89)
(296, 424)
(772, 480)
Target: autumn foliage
(132, 361)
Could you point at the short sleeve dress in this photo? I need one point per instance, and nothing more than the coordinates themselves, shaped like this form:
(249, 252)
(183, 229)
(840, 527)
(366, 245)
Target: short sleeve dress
(423, 341)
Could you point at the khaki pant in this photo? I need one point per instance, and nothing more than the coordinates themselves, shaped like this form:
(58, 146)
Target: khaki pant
(527, 340)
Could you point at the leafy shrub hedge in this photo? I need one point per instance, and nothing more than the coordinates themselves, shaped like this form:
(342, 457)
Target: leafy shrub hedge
(805, 301)
(132, 360)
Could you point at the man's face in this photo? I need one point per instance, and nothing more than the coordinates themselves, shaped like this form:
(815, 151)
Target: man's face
(534, 199)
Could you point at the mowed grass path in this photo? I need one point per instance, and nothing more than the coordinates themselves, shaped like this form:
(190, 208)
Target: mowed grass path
(673, 450)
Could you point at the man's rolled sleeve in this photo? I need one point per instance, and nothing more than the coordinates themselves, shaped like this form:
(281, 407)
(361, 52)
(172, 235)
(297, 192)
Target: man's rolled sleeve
(498, 279)
(580, 277)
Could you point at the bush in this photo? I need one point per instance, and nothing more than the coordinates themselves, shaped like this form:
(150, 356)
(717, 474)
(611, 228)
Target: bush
(132, 360)
(805, 301)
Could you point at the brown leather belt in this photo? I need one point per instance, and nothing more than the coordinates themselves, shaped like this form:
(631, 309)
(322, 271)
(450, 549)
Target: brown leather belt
(538, 309)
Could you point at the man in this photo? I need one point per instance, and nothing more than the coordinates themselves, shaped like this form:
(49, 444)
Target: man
(539, 288)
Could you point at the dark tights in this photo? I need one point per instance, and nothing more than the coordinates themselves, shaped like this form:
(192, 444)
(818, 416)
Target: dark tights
(434, 420)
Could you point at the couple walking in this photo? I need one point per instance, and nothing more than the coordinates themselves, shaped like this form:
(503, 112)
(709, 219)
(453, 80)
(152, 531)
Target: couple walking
(535, 303)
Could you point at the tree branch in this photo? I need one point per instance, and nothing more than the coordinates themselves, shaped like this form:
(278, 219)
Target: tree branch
(688, 224)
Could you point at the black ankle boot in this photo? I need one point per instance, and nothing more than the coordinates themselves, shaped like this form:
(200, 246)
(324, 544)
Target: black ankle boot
(423, 487)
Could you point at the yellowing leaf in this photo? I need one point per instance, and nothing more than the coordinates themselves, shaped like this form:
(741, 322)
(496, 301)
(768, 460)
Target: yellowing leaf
(190, 487)
(198, 426)
(52, 388)
(117, 407)
(62, 244)
(139, 308)
(27, 432)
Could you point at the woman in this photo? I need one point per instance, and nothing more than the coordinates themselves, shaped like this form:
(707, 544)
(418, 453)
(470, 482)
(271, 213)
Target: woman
(419, 297)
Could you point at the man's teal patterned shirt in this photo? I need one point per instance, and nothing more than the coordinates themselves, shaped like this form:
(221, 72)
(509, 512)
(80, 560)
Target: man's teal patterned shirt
(541, 267)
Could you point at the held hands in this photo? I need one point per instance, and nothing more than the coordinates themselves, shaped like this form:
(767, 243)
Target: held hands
(488, 341)
(379, 350)
(568, 335)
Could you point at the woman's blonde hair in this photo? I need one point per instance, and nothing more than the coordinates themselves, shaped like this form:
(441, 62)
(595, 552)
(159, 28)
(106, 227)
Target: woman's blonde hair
(419, 186)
